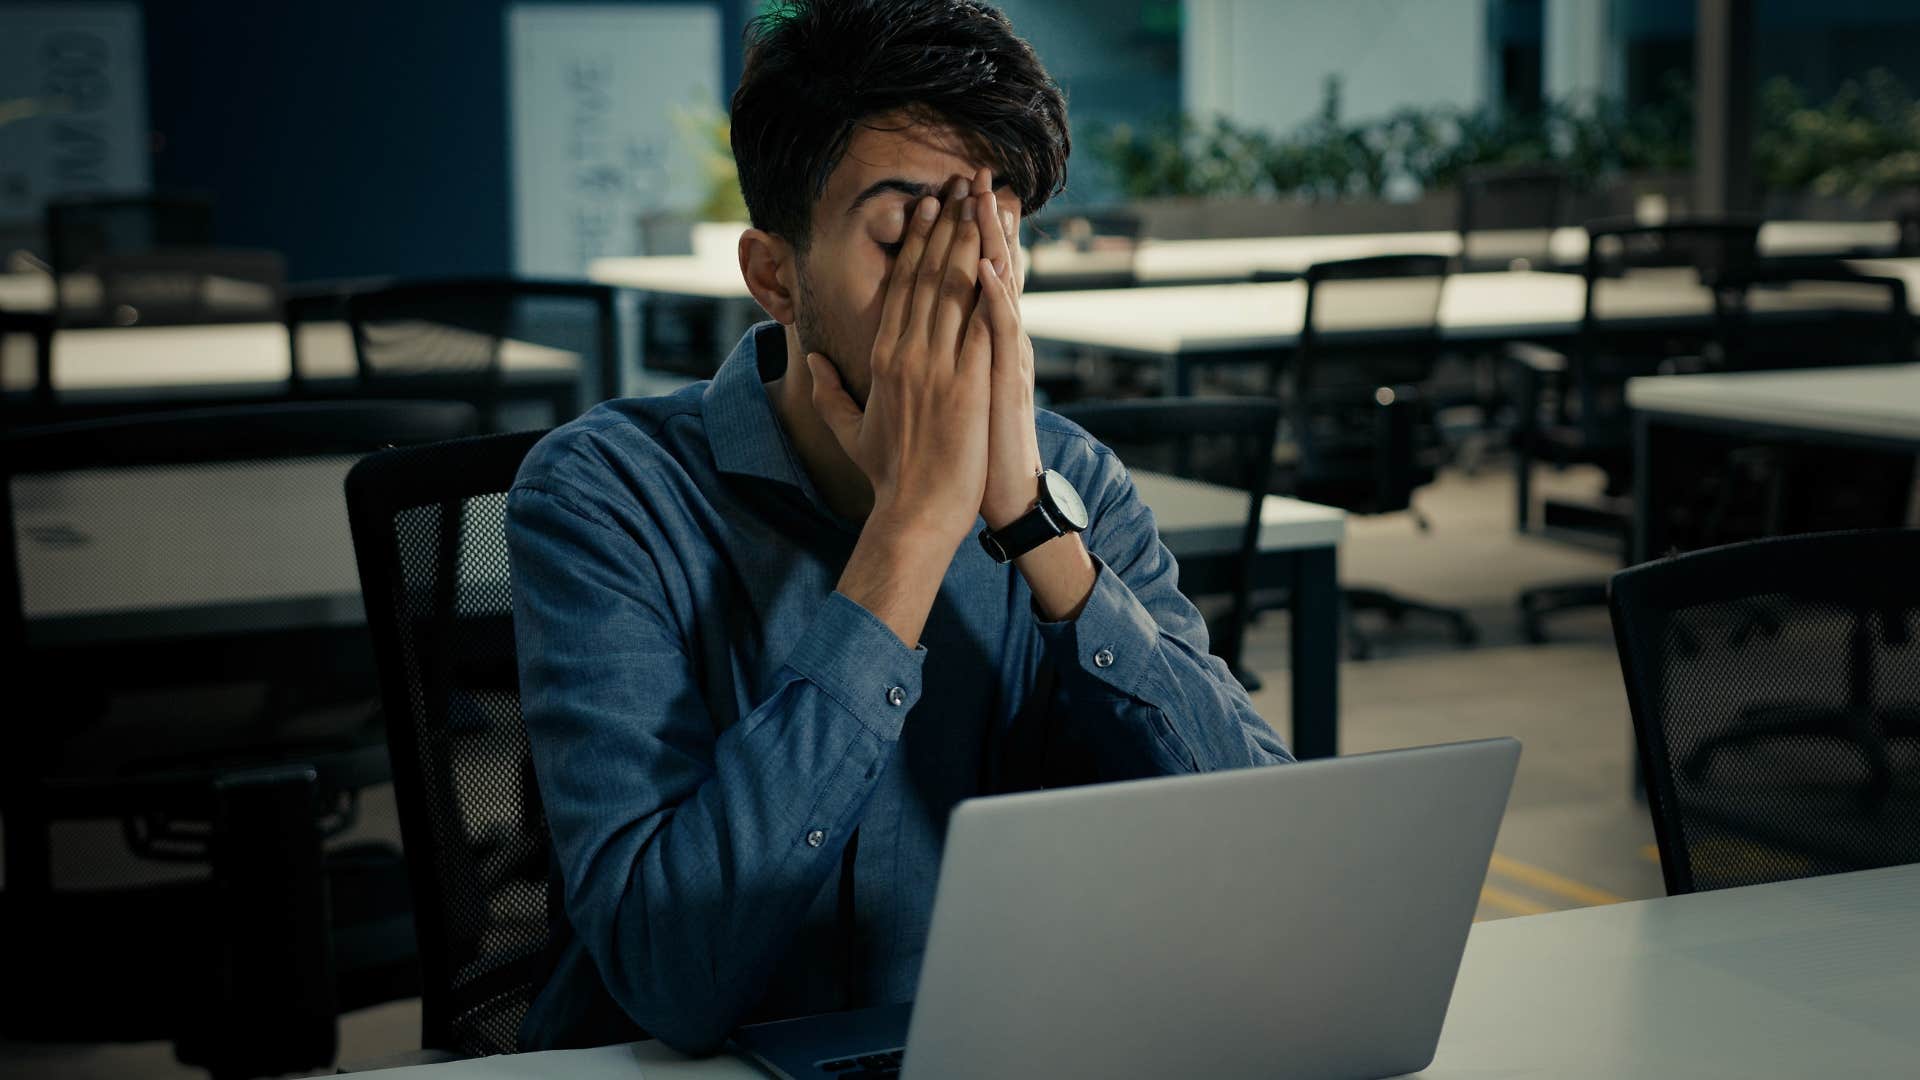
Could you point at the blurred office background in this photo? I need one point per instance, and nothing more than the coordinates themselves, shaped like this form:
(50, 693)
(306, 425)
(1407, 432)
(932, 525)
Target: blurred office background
(220, 219)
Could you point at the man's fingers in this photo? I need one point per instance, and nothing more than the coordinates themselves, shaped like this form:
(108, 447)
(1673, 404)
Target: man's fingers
(960, 287)
(995, 244)
(932, 270)
(913, 245)
(976, 347)
(1003, 314)
(831, 401)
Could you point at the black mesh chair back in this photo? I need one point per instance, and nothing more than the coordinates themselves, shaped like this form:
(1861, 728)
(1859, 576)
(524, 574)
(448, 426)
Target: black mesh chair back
(429, 527)
(449, 338)
(1813, 314)
(1368, 345)
(1508, 214)
(81, 230)
(184, 286)
(1775, 688)
(1227, 442)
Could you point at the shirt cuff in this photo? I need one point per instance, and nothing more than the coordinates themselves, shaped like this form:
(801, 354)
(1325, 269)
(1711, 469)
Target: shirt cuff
(1114, 638)
(858, 661)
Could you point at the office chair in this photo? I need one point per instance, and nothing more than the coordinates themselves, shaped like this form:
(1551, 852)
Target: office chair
(1508, 214)
(83, 229)
(1783, 747)
(429, 531)
(1225, 441)
(186, 286)
(192, 734)
(444, 339)
(1909, 223)
(1812, 313)
(1361, 433)
(1571, 406)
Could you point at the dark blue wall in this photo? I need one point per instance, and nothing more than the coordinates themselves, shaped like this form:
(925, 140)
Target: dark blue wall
(356, 136)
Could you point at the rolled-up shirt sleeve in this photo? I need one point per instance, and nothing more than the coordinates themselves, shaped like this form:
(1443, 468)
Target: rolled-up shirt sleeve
(1135, 692)
(689, 855)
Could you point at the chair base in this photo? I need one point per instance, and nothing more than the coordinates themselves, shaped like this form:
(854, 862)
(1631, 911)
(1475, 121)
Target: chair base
(1536, 604)
(1396, 609)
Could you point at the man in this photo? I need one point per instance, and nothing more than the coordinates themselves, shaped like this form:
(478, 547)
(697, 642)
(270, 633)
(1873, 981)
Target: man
(762, 655)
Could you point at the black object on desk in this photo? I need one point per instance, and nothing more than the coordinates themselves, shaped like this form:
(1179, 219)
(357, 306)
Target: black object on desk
(1775, 687)
(229, 963)
(429, 530)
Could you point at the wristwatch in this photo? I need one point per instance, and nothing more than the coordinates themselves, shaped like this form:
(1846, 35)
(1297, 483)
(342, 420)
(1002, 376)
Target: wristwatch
(1057, 512)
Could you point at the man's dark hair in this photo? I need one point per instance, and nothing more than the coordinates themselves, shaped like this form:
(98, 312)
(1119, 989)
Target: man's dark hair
(816, 69)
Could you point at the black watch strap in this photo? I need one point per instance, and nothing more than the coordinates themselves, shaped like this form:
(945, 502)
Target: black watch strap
(1021, 535)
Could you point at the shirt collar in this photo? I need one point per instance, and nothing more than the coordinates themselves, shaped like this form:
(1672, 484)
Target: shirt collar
(741, 426)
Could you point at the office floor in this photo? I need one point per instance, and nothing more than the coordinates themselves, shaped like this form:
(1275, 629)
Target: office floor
(1572, 836)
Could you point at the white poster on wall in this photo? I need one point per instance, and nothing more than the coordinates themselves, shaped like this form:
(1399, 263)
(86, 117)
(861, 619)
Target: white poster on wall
(599, 96)
(73, 104)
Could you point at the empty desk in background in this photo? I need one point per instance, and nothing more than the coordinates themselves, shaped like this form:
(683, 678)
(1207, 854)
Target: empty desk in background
(1169, 262)
(1815, 977)
(1871, 408)
(236, 362)
(1180, 326)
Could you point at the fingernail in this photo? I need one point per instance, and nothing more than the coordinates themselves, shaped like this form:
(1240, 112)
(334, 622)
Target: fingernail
(929, 208)
(962, 189)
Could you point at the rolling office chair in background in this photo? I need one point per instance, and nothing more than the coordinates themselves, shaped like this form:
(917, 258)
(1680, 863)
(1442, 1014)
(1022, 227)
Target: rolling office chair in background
(181, 287)
(1360, 432)
(429, 530)
(230, 756)
(443, 339)
(1508, 214)
(1775, 687)
(1571, 407)
(1226, 441)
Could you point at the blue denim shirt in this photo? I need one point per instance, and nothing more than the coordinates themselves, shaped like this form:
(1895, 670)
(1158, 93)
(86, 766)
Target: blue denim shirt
(711, 722)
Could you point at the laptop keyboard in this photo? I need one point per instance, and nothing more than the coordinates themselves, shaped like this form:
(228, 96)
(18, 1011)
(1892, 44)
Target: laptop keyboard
(879, 1065)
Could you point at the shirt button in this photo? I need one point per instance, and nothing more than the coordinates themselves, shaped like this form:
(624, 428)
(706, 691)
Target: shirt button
(816, 837)
(896, 696)
(1103, 658)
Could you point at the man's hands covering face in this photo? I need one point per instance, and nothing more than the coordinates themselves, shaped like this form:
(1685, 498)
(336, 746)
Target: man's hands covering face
(948, 429)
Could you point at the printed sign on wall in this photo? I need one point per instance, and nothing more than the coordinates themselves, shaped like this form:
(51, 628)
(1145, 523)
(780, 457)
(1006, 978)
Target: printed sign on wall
(73, 104)
(596, 92)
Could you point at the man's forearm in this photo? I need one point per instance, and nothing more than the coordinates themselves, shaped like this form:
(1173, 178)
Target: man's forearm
(1061, 575)
(895, 572)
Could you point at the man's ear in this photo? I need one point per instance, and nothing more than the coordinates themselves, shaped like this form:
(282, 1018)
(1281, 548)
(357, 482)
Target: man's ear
(768, 265)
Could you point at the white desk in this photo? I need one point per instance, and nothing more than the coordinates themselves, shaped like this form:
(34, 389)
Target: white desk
(1176, 324)
(228, 359)
(1239, 258)
(1795, 979)
(1875, 408)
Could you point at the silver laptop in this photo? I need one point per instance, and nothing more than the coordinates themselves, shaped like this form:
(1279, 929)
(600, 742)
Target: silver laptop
(1300, 920)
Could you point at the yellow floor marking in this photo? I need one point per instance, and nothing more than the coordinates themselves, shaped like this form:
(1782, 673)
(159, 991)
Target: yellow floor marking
(1506, 901)
(1579, 892)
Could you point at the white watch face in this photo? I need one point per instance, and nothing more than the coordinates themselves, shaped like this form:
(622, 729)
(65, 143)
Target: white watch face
(1065, 500)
